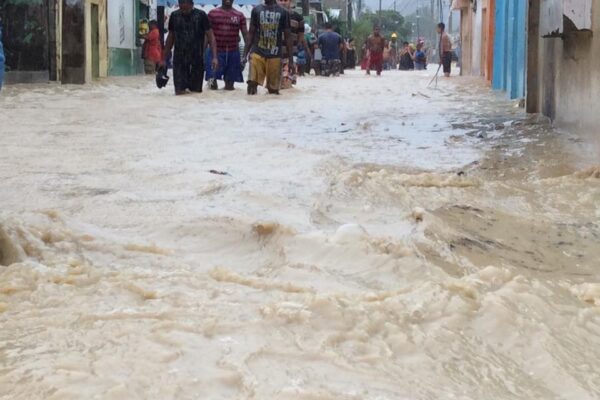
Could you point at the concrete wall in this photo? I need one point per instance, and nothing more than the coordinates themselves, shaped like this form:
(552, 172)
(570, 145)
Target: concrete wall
(124, 55)
(103, 33)
(477, 24)
(568, 84)
(490, 26)
(477, 37)
(73, 42)
(466, 41)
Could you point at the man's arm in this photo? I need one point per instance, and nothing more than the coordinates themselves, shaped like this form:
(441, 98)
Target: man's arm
(305, 46)
(251, 33)
(245, 35)
(302, 38)
(213, 46)
(289, 44)
(167, 50)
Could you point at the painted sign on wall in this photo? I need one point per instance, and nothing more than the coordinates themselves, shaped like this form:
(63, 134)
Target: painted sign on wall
(121, 24)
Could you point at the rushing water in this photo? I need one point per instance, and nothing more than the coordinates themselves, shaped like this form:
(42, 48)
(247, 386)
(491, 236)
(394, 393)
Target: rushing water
(372, 239)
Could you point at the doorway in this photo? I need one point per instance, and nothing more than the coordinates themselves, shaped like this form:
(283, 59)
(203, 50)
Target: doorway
(95, 32)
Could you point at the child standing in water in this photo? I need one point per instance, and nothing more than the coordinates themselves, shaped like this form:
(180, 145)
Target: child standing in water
(420, 57)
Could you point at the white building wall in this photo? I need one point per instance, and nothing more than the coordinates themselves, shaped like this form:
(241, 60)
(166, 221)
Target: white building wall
(476, 47)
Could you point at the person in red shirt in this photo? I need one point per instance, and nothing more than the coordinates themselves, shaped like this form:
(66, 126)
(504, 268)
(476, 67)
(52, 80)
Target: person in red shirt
(227, 23)
(152, 48)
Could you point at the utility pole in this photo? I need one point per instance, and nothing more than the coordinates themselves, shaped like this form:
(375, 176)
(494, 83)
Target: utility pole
(359, 9)
(350, 17)
(305, 7)
(418, 17)
(449, 21)
(380, 12)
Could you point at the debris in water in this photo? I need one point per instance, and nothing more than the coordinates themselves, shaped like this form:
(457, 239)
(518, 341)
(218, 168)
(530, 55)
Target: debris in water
(214, 171)
(265, 228)
(417, 214)
(349, 234)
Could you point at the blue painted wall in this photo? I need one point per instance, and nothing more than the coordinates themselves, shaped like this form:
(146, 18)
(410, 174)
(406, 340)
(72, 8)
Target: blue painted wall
(510, 47)
(498, 72)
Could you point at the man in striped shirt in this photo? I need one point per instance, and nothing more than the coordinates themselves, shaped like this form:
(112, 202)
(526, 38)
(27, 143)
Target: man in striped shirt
(227, 23)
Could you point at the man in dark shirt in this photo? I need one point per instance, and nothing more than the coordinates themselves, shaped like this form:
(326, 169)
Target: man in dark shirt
(268, 23)
(331, 45)
(187, 28)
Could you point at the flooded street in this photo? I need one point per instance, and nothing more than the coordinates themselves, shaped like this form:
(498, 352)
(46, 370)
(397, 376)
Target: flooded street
(368, 239)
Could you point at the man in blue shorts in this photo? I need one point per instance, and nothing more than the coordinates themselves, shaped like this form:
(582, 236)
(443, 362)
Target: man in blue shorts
(227, 23)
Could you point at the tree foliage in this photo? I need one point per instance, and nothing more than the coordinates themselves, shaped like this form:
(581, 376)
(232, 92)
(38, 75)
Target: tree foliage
(389, 22)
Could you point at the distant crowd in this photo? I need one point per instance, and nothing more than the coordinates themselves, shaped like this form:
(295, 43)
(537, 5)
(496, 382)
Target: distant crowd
(278, 47)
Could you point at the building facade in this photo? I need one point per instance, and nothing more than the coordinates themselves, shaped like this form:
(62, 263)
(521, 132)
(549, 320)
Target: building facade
(81, 41)
(494, 42)
(564, 62)
(72, 41)
(543, 51)
(124, 47)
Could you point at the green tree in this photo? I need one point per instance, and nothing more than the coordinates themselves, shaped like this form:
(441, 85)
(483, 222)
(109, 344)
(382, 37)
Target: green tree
(339, 26)
(389, 22)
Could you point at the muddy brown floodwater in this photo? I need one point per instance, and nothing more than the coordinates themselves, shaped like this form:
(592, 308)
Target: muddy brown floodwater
(357, 238)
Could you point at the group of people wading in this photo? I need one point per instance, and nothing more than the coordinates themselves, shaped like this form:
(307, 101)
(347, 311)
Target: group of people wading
(275, 35)
(381, 54)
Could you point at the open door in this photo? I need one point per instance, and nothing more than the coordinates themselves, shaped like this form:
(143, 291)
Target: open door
(95, 32)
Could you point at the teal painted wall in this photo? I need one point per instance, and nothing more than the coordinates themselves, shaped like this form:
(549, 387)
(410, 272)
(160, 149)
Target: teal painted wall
(124, 62)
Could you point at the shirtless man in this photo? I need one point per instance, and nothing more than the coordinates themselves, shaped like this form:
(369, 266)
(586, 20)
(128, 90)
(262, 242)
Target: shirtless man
(375, 46)
(445, 49)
